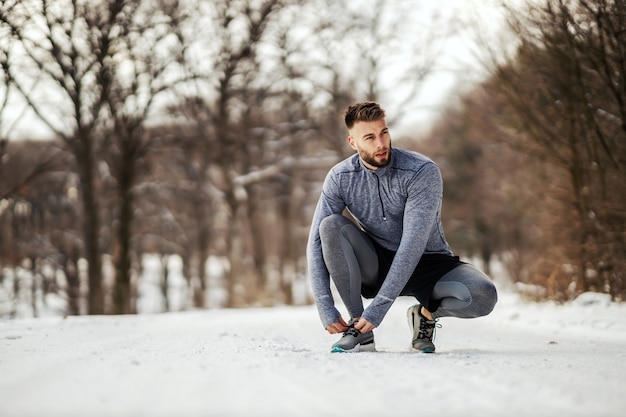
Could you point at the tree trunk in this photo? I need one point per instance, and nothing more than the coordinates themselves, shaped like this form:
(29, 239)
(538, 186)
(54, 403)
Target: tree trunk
(122, 260)
(257, 291)
(91, 226)
(73, 282)
(236, 254)
(165, 274)
(200, 292)
(33, 285)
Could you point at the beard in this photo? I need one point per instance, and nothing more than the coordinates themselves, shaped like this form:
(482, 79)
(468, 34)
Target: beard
(375, 161)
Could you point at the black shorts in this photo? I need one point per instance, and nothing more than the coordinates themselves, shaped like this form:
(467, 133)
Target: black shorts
(429, 270)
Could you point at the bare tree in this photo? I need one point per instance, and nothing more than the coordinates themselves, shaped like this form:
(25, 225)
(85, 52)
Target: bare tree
(106, 62)
(235, 32)
(62, 47)
(145, 63)
(559, 100)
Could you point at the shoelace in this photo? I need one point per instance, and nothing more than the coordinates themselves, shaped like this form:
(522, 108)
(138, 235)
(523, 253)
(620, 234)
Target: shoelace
(351, 331)
(427, 329)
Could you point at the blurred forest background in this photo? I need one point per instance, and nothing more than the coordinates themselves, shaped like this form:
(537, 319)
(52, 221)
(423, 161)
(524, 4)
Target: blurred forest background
(197, 134)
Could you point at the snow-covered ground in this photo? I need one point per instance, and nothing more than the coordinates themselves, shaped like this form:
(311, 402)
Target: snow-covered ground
(524, 359)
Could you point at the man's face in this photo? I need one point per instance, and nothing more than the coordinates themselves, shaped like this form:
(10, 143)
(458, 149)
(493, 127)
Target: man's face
(372, 142)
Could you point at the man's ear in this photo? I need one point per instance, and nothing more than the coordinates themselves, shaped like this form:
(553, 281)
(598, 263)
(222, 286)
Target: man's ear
(351, 142)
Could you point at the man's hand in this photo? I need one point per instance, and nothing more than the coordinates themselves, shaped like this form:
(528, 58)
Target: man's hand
(337, 327)
(364, 326)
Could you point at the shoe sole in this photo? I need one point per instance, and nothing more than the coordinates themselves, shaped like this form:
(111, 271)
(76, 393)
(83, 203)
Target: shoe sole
(425, 350)
(358, 348)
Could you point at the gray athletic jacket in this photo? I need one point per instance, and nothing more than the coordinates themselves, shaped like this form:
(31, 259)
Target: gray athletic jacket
(399, 206)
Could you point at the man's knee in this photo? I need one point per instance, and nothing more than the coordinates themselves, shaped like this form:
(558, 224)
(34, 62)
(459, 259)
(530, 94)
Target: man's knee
(488, 295)
(484, 295)
(331, 226)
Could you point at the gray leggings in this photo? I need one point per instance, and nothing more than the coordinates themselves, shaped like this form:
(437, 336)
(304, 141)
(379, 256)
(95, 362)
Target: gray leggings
(352, 261)
(465, 292)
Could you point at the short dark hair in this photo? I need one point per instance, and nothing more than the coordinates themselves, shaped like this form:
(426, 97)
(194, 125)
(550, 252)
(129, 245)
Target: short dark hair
(365, 111)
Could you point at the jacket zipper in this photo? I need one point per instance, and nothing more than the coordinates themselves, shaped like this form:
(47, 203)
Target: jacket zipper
(380, 197)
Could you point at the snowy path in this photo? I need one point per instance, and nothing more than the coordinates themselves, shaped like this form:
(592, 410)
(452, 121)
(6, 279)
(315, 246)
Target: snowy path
(523, 360)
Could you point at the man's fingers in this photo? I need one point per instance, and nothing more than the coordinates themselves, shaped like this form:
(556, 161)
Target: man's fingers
(338, 327)
(341, 326)
(364, 326)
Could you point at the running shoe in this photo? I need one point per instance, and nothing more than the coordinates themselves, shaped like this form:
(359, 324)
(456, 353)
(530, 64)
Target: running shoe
(355, 341)
(422, 328)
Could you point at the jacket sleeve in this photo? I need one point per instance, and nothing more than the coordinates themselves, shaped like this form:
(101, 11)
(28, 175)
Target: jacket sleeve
(330, 202)
(424, 195)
